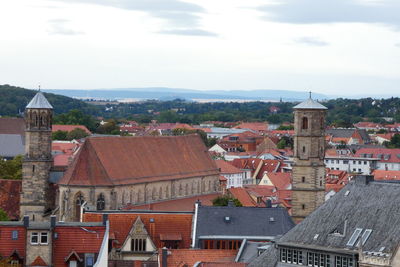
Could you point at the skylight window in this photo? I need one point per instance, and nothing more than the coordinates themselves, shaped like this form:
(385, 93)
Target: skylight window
(354, 237)
(364, 237)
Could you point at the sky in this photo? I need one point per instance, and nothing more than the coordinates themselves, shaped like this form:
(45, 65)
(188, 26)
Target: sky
(341, 47)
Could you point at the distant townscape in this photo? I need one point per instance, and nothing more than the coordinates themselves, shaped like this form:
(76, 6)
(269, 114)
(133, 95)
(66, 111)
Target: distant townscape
(179, 184)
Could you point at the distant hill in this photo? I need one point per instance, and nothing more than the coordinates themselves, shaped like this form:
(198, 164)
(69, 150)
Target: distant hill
(163, 93)
(13, 101)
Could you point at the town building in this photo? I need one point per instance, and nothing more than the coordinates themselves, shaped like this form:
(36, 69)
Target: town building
(352, 164)
(308, 189)
(233, 175)
(227, 227)
(388, 158)
(359, 226)
(51, 243)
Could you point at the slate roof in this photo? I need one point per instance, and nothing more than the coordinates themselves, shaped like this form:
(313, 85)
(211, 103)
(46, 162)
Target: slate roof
(11, 145)
(250, 251)
(39, 101)
(309, 104)
(347, 133)
(211, 222)
(129, 160)
(269, 258)
(361, 204)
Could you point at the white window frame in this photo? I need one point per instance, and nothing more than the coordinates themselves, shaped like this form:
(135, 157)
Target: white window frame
(37, 235)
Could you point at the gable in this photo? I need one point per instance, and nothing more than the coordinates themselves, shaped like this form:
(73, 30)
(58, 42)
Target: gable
(138, 231)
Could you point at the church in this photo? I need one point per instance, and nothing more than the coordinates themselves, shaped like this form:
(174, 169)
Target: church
(109, 172)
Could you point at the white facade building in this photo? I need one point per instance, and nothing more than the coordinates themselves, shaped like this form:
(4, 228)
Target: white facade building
(352, 164)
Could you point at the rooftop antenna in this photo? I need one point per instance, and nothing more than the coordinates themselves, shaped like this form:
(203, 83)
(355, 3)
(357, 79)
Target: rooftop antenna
(39, 87)
(310, 94)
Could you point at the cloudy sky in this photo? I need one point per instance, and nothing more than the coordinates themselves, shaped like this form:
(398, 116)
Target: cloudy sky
(341, 47)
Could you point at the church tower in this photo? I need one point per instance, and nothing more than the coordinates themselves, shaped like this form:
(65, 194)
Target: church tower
(308, 190)
(38, 159)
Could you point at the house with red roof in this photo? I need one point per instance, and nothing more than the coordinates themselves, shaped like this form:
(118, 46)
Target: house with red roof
(246, 141)
(280, 180)
(58, 244)
(137, 235)
(258, 127)
(388, 158)
(386, 175)
(369, 126)
(233, 175)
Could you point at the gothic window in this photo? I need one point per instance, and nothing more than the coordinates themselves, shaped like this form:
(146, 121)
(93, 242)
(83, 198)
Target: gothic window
(101, 203)
(160, 193)
(209, 185)
(304, 124)
(180, 189)
(79, 200)
(35, 119)
(139, 195)
(153, 194)
(186, 189)
(43, 119)
(304, 149)
(167, 192)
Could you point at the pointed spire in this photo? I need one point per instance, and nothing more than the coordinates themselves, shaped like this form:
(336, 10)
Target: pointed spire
(39, 101)
(309, 104)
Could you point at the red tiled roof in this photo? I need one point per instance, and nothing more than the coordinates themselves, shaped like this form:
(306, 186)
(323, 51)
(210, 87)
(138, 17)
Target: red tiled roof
(8, 245)
(250, 164)
(281, 180)
(243, 196)
(268, 166)
(226, 168)
(130, 160)
(367, 124)
(392, 155)
(12, 126)
(387, 136)
(386, 175)
(181, 204)
(39, 262)
(189, 257)
(10, 191)
(255, 126)
(164, 223)
(68, 128)
(86, 239)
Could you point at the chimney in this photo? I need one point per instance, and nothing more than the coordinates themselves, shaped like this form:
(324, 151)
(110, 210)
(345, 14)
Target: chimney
(164, 257)
(363, 179)
(268, 203)
(26, 221)
(105, 219)
(53, 219)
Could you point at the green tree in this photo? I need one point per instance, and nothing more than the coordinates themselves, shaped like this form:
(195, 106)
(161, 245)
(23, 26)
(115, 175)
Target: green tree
(3, 215)
(110, 127)
(59, 135)
(285, 127)
(76, 133)
(11, 169)
(224, 200)
(394, 142)
(281, 144)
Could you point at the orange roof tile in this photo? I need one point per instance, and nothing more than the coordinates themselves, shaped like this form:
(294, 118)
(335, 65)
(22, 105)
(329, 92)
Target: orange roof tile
(181, 204)
(39, 262)
(130, 160)
(164, 223)
(189, 257)
(243, 196)
(226, 168)
(281, 180)
(255, 126)
(386, 175)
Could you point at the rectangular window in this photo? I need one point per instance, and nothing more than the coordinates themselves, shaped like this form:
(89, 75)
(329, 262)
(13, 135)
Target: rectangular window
(354, 237)
(138, 244)
(295, 257)
(338, 261)
(300, 257)
(310, 258)
(289, 255)
(365, 163)
(89, 260)
(345, 162)
(34, 238)
(44, 238)
(283, 255)
(14, 235)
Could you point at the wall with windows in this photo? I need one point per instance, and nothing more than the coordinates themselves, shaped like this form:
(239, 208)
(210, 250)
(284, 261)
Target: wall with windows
(315, 258)
(363, 166)
(38, 243)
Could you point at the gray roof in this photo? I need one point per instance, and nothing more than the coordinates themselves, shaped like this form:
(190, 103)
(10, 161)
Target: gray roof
(11, 145)
(269, 258)
(39, 101)
(250, 250)
(244, 222)
(348, 132)
(309, 104)
(361, 204)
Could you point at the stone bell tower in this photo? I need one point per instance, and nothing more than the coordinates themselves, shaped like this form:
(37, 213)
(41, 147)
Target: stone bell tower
(308, 191)
(38, 159)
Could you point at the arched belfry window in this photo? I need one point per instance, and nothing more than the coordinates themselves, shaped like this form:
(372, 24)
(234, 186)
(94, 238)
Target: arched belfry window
(101, 202)
(79, 200)
(304, 123)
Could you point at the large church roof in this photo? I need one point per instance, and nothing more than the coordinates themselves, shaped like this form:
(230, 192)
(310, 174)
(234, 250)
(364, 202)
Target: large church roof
(39, 101)
(107, 161)
(309, 104)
